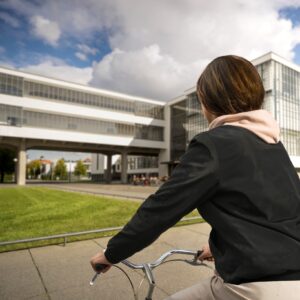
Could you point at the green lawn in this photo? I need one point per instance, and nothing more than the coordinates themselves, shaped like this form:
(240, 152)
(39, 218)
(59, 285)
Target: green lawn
(32, 212)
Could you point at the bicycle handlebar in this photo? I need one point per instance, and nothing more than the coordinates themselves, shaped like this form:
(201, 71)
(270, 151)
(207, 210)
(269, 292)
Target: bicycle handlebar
(160, 260)
(148, 267)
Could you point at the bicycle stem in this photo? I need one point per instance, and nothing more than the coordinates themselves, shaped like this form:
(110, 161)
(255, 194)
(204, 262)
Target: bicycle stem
(148, 272)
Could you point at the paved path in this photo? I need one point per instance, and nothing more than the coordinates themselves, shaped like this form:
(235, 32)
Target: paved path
(116, 190)
(58, 272)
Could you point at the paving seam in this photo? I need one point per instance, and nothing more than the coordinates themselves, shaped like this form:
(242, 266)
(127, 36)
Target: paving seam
(40, 275)
(195, 231)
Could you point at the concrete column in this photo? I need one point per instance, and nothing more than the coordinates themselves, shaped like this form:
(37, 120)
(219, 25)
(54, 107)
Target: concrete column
(108, 168)
(165, 154)
(163, 168)
(21, 164)
(124, 167)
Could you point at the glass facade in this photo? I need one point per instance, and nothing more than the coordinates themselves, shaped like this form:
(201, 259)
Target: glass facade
(178, 133)
(142, 162)
(265, 74)
(11, 85)
(11, 115)
(282, 100)
(286, 97)
(196, 121)
(17, 86)
(187, 120)
(16, 116)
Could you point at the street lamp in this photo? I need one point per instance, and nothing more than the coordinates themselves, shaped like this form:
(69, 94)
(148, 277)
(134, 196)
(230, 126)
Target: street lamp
(51, 171)
(70, 166)
(41, 166)
(27, 168)
(15, 161)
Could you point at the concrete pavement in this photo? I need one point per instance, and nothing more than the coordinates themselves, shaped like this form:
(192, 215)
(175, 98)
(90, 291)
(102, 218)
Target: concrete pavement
(114, 189)
(58, 272)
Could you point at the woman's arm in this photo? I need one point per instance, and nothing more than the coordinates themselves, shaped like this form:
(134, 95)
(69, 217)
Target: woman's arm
(193, 181)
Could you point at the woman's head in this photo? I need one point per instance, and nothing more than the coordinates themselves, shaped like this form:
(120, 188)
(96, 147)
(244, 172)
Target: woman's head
(229, 85)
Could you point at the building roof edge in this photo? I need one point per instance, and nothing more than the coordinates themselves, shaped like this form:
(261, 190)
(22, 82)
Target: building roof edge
(80, 86)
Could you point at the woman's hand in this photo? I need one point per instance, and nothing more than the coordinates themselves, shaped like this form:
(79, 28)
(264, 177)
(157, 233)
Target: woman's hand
(206, 254)
(100, 259)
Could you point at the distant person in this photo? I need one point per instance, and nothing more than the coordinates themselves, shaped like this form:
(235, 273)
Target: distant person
(240, 178)
(134, 180)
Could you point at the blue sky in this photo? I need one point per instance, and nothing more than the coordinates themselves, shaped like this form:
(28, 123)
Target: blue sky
(154, 49)
(293, 14)
(22, 48)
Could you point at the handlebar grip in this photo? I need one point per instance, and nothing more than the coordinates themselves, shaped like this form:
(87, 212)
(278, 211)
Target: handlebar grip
(100, 267)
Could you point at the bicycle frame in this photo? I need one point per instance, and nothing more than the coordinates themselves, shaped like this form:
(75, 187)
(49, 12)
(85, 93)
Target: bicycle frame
(148, 267)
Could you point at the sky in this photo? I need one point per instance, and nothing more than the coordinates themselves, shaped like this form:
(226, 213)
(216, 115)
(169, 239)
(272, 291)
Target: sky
(150, 48)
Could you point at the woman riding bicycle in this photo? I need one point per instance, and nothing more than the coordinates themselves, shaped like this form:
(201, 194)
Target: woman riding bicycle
(240, 178)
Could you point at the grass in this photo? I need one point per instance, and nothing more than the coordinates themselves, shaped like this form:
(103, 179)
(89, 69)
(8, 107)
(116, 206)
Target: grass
(33, 212)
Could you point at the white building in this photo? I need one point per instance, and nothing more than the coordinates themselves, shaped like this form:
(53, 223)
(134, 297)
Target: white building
(281, 79)
(136, 165)
(87, 162)
(38, 112)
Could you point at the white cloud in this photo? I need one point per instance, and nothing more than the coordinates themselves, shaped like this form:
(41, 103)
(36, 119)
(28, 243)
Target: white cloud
(45, 29)
(9, 19)
(81, 56)
(159, 48)
(188, 35)
(150, 73)
(86, 49)
(56, 68)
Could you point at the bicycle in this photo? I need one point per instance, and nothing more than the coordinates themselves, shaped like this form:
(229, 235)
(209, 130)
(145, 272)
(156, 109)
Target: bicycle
(148, 267)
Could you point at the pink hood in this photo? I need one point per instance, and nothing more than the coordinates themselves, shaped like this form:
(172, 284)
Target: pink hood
(259, 122)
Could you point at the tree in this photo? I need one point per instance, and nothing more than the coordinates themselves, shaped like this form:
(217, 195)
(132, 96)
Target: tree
(34, 168)
(60, 169)
(80, 169)
(7, 164)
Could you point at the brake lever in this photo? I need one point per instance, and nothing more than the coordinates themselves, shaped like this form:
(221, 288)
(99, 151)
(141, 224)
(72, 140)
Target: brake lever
(195, 261)
(199, 252)
(94, 278)
(99, 268)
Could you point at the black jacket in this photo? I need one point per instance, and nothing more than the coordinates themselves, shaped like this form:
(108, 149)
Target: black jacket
(246, 189)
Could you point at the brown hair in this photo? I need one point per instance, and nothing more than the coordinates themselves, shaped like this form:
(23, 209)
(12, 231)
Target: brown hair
(230, 84)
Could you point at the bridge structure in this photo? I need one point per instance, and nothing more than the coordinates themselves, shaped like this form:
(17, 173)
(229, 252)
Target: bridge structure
(38, 112)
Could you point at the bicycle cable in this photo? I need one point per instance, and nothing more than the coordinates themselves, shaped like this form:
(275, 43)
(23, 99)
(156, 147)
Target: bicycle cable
(138, 288)
(130, 281)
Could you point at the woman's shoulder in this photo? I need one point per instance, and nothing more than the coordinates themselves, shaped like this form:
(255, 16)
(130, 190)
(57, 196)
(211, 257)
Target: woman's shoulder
(228, 133)
(228, 139)
(224, 132)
